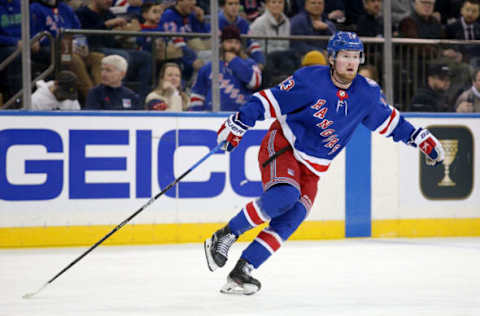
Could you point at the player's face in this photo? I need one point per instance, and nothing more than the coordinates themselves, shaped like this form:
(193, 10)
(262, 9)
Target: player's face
(173, 75)
(346, 64)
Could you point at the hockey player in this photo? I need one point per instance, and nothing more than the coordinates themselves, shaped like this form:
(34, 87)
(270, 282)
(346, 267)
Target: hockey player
(316, 112)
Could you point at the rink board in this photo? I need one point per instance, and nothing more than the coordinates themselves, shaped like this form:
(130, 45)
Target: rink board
(69, 178)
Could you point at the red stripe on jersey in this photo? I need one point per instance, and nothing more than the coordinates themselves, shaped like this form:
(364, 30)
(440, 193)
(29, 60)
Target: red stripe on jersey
(272, 110)
(252, 213)
(316, 166)
(257, 80)
(392, 116)
(269, 239)
(196, 99)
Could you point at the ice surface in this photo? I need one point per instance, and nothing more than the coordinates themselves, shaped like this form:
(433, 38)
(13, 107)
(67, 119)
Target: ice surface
(407, 277)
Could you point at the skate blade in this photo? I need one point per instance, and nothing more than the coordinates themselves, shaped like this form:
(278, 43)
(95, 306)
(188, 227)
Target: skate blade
(207, 246)
(233, 288)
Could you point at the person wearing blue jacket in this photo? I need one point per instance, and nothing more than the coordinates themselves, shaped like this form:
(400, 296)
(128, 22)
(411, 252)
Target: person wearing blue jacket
(230, 16)
(10, 40)
(310, 22)
(185, 17)
(239, 76)
(52, 16)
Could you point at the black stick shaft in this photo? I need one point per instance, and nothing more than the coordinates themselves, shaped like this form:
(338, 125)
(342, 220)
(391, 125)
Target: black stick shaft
(214, 150)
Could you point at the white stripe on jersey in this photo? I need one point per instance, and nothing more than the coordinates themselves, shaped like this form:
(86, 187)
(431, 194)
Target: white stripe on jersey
(256, 79)
(390, 123)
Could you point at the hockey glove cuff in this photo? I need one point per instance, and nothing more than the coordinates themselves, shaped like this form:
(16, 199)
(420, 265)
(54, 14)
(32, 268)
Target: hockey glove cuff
(231, 132)
(429, 145)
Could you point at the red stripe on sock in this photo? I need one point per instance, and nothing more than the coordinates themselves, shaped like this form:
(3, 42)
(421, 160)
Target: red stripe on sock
(252, 213)
(269, 239)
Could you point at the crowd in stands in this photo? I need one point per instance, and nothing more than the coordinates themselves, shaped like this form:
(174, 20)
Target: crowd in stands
(114, 72)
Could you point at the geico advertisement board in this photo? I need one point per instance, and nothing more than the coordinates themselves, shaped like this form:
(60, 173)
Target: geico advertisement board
(96, 168)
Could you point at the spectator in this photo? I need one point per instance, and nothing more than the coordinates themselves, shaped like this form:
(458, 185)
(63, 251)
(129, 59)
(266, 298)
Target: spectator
(151, 14)
(272, 23)
(58, 94)
(310, 22)
(467, 27)
(97, 16)
(401, 9)
(353, 10)
(186, 17)
(371, 23)
(369, 71)
(422, 23)
(252, 9)
(459, 69)
(313, 57)
(168, 96)
(53, 15)
(334, 9)
(230, 16)
(239, 76)
(10, 40)
(111, 94)
(432, 97)
(127, 9)
(280, 61)
(448, 10)
(469, 100)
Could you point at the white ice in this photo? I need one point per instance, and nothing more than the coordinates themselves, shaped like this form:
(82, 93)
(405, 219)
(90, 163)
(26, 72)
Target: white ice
(407, 277)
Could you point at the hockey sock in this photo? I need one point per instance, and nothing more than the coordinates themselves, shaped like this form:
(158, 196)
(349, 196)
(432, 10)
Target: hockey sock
(270, 239)
(272, 203)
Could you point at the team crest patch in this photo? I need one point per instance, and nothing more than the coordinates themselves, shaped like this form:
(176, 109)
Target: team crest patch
(127, 103)
(291, 172)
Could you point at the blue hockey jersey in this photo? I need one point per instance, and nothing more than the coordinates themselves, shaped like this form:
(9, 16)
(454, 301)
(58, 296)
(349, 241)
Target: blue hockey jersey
(238, 79)
(10, 22)
(44, 18)
(318, 119)
(253, 48)
(173, 21)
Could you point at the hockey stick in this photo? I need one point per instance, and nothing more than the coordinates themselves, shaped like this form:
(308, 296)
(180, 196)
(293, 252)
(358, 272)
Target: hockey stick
(214, 150)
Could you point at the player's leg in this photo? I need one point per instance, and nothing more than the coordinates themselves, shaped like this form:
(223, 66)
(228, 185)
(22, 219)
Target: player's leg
(272, 203)
(268, 241)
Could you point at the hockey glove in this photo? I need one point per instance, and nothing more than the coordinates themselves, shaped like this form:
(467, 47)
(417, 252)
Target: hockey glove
(429, 145)
(231, 132)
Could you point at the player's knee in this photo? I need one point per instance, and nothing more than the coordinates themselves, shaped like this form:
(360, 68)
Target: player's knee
(288, 223)
(278, 199)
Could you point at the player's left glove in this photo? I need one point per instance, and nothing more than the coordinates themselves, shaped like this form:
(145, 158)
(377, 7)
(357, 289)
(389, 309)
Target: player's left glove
(231, 132)
(429, 145)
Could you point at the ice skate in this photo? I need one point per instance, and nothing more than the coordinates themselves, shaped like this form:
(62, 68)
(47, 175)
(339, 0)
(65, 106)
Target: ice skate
(240, 282)
(216, 248)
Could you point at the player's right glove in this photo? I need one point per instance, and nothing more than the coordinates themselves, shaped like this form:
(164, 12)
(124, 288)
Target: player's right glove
(231, 132)
(429, 145)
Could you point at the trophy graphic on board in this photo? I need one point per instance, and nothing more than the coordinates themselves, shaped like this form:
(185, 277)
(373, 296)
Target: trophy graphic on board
(450, 147)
